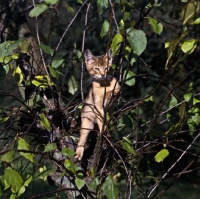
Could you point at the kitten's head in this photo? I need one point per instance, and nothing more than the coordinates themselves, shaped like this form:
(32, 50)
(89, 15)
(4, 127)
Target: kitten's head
(98, 66)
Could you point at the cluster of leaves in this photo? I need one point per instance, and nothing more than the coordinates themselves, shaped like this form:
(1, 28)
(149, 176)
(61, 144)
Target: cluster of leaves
(156, 123)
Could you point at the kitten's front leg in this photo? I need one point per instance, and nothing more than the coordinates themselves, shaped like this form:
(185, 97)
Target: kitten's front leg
(87, 124)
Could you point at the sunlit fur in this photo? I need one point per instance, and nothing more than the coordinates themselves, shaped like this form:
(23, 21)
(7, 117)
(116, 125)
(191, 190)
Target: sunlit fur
(103, 87)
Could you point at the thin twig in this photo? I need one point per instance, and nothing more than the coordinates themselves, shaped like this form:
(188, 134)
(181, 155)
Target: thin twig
(38, 40)
(83, 49)
(60, 41)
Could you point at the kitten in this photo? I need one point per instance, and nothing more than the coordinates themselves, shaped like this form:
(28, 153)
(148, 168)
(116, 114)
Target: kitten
(103, 87)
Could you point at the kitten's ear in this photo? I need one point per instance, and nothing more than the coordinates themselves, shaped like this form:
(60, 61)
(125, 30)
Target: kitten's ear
(89, 58)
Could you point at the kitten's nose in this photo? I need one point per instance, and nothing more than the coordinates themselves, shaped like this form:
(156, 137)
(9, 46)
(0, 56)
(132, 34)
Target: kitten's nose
(103, 76)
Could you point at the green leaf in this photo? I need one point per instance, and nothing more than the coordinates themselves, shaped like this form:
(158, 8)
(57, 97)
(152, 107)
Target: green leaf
(68, 152)
(46, 49)
(70, 166)
(128, 147)
(126, 16)
(18, 76)
(69, 8)
(129, 78)
(45, 173)
(45, 122)
(21, 191)
(171, 49)
(8, 157)
(196, 119)
(53, 72)
(38, 9)
(110, 189)
(40, 81)
(13, 179)
(80, 182)
(173, 102)
(161, 155)
(28, 180)
(105, 28)
(23, 145)
(187, 97)
(13, 196)
(50, 147)
(57, 63)
(156, 27)
(137, 40)
(72, 85)
(115, 42)
(188, 46)
(190, 12)
(195, 101)
(5, 59)
(51, 1)
(79, 1)
(102, 5)
(197, 21)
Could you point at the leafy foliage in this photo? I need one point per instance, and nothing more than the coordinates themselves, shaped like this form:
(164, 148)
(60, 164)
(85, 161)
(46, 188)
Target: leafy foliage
(152, 135)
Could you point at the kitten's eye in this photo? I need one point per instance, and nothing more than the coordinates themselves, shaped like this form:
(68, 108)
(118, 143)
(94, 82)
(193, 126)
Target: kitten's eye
(106, 68)
(96, 68)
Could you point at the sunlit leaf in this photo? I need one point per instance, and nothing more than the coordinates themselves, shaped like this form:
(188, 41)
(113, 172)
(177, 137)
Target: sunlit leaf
(38, 9)
(173, 101)
(129, 78)
(13, 179)
(79, 180)
(167, 44)
(187, 97)
(104, 29)
(137, 40)
(8, 157)
(195, 101)
(110, 189)
(155, 25)
(45, 122)
(161, 155)
(197, 21)
(72, 85)
(50, 147)
(28, 180)
(188, 46)
(23, 145)
(17, 74)
(21, 191)
(41, 81)
(115, 42)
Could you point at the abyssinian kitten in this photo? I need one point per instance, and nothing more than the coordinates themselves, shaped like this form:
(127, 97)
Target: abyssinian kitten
(103, 87)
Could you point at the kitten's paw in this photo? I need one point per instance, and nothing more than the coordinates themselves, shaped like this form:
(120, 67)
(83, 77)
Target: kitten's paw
(79, 152)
